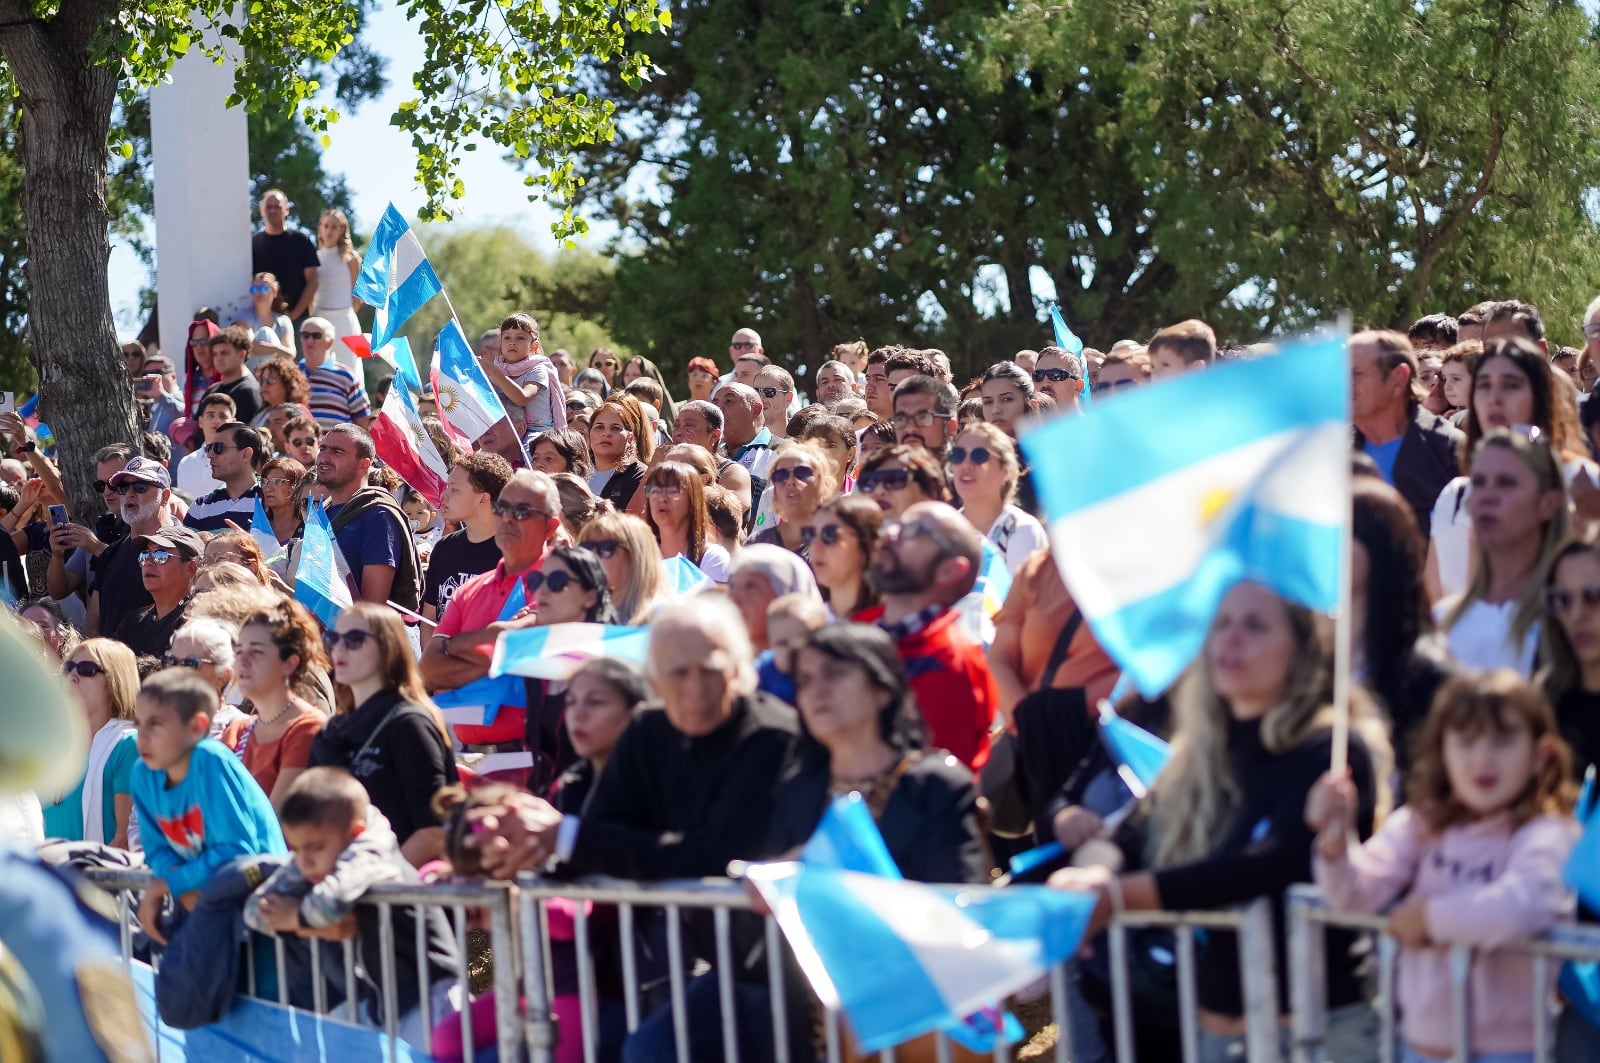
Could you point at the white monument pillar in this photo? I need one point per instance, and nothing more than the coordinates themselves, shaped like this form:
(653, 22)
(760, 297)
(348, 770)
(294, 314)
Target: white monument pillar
(202, 197)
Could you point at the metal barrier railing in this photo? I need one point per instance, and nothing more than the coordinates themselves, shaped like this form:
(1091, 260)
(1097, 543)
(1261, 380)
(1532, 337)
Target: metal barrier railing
(1310, 918)
(455, 899)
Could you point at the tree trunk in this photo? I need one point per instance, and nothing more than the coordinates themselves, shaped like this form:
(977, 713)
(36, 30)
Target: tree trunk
(67, 97)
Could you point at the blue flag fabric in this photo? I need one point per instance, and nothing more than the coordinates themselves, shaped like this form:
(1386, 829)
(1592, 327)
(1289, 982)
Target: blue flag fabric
(1140, 755)
(398, 353)
(1248, 479)
(557, 650)
(396, 277)
(1579, 980)
(683, 576)
(318, 584)
(1068, 340)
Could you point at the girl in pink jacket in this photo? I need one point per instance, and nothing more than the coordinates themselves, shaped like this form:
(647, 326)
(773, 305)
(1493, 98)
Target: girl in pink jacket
(1476, 856)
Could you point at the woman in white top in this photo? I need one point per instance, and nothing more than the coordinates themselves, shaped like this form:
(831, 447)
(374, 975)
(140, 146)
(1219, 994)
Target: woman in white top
(1519, 521)
(1512, 384)
(983, 467)
(338, 266)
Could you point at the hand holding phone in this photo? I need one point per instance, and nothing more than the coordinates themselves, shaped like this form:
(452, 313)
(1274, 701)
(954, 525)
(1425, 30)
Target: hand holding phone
(58, 515)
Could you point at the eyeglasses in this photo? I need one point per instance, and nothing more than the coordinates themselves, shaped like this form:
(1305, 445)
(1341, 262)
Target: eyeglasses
(604, 365)
(277, 481)
(829, 534)
(519, 512)
(802, 474)
(308, 441)
(139, 488)
(192, 663)
(979, 455)
(742, 345)
(353, 640)
(218, 448)
(1113, 385)
(83, 669)
(921, 420)
(577, 407)
(260, 289)
(159, 557)
(772, 392)
(662, 491)
(1561, 600)
(604, 549)
(557, 581)
(882, 480)
(312, 336)
(1055, 376)
(698, 375)
(102, 486)
(199, 343)
(915, 530)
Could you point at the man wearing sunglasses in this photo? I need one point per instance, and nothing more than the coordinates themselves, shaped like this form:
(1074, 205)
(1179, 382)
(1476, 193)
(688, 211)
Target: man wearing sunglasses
(776, 388)
(169, 560)
(527, 516)
(337, 396)
(73, 546)
(236, 455)
(923, 566)
(143, 489)
(192, 475)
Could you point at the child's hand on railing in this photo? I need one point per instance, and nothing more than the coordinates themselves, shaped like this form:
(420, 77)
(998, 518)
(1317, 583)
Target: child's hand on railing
(1408, 923)
(280, 912)
(150, 910)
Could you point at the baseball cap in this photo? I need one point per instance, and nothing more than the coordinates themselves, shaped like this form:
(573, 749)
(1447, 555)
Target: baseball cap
(182, 430)
(173, 537)
(144, 470)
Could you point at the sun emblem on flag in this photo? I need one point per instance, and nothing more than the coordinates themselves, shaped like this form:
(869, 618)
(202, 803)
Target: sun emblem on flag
(1214, 503)
(447, 398)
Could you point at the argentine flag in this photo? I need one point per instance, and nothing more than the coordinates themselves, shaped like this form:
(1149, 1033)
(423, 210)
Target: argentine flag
(467, 402)
(396, 278)
(1140, 755)
(318, 584)
(1160, 502)
(1068, 341)
(683, 577)
(557, 650)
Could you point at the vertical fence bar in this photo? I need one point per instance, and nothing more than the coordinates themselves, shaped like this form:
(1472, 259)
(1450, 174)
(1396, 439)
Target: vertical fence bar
(250, 965)
(1541, 1007)
(1460, 1001)
(351, 1004)
(630, 966)
(502, 946)
(419, 925)
(1388, 956)
(720, 918)
(941, 1048)
(539, 1036)
(680, 1010)
(1121, 995)
(833, 1036)
(1060, 1014)
(319, 989)
(391, 1007)
(588, 1013)
(1188, 996)
(125, 929)
(1257, 964)
(464, 979)
(279, 959)
(780, 1039)
(1308, 994)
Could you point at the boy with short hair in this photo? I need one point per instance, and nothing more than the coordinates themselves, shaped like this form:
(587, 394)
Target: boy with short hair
(1187, 345)
(198, 806)
(343, 846)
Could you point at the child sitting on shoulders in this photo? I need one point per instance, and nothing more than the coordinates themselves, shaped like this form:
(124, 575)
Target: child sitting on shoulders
(1477, 854)
(343, 846)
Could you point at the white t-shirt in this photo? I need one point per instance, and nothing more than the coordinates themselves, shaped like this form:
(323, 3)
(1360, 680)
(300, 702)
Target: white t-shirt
(194, 475)
(1016, 534)
(715, 563)
(1481, 639)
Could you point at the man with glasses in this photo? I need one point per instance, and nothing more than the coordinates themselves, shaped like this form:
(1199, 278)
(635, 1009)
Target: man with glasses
(925, 414)
(169, 560)
(746, 342)
(474, 483)
(143, 490)
(528, 517)
(301, 438)
(776, 388)
(1591, 335)
(229, 349)
(236, 453)
(924, 564)
(373, 533)
(73, 546)
(193, 475)
(1059, 374)
(337, 396)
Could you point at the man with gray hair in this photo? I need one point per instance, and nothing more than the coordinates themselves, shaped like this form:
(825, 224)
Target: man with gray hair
(337, 395)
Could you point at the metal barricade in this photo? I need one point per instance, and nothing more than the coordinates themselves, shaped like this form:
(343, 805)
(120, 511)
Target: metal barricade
(456, 900)
(1309, 919)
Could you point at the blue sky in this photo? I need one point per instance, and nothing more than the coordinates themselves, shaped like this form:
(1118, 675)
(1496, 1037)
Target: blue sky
(377, 162)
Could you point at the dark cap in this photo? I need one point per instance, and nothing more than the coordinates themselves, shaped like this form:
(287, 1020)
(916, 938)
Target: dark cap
(144, 470)
(173, 537)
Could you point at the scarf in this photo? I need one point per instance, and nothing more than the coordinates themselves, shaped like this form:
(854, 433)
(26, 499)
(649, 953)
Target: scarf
(558, 404)
(100, 750)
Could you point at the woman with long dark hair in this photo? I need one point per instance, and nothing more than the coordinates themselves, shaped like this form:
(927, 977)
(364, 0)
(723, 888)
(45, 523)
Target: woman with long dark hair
(675, 509)
(621, 444)
(842, 536)
(1569, 646)
(278, 648)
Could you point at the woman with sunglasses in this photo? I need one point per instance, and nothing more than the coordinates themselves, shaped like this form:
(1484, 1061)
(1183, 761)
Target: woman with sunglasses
(385, 731)
(282, 383)
(983, 466)
(627, 549)
(621, 445)
(803, 477)
(842, 536)
(104, 678)
(272, 331)
(205, 646)
(604, 360)
(899, 476)
(277, 648)
(675, 510)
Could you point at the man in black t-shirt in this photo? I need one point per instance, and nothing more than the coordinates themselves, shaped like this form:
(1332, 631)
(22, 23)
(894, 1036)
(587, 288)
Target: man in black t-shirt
(145, 488)
(287, 254)
(475, 482)
(229, 349)
(169, 559)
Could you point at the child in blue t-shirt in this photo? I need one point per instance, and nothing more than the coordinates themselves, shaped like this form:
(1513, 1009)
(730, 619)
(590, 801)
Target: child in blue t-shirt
(198, 806)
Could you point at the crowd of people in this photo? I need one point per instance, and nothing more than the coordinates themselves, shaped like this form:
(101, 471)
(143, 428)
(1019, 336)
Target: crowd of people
(823, 650)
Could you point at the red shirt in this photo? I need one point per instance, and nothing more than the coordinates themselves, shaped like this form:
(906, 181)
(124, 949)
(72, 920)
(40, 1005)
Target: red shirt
(476, 605)
(950, 676)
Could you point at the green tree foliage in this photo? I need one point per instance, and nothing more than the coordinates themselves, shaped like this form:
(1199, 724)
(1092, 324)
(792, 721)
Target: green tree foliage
(491, 271)
(16, 372)
(906, 171)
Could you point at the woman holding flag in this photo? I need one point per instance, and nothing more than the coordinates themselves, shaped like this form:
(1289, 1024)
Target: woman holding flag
(1224, 823)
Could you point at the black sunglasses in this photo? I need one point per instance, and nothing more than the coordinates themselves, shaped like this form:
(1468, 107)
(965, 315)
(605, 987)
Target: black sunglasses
(194, 663)
(311, 335)
(84, 669)
(882, 480)
(217, 448)
(1113, 385)
(772, 393)
(139, 488)
(1561, 600)
(102, 486)
(803, 473)
(557, 581)
(604, 549)
(519, 512)
(308, 441)
(979, 455)
(353, 640)
(1053, 375)
(828, 533)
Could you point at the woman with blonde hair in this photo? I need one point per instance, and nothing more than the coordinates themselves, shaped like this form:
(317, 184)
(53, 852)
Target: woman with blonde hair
(387, 732)
(628, 552)
(103, 675)
(675, 509)
(1224, 824)
(338, 266)
(984, 469)
(803, 477)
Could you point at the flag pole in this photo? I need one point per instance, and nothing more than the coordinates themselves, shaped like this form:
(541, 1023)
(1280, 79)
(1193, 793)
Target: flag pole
(1343, 621)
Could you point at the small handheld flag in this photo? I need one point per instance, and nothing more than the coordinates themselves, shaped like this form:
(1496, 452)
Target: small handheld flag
(1140, 755)
(405, 446)
(317, 583)
(556, 651)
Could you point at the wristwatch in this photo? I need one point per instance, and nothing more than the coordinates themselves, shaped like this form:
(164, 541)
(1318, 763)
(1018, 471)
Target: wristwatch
(28, 448)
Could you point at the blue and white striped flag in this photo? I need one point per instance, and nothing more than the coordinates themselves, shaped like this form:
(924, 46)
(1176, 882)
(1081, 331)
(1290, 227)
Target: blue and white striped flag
(396, 277)
(683, 576)
(902, 958)
(1248, 477)
(1068, 340)
(979, 606)
(467, 402)
(261, 532)
(1140, 755)
(397, 352)
(318, 584)
(556, 651)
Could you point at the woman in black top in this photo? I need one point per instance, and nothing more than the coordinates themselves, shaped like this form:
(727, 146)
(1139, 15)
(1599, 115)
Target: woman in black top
(866, 736)
(1569, 647)
(1225, 822)
(386, 732)
(602, 696)
(621, 445)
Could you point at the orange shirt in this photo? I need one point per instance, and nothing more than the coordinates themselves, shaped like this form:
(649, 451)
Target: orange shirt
(1037, 608)
(265, 761)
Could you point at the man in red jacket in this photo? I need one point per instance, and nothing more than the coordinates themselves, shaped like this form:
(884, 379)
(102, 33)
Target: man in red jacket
(923, 566)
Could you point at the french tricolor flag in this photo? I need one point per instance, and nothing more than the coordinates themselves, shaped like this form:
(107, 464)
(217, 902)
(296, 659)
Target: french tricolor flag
(405, 446)
(396, 277)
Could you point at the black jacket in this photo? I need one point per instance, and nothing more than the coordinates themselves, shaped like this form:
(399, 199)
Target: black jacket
(929, 823)
(1425, 463)
(398, 753)
(671, 806)
(623, 483)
